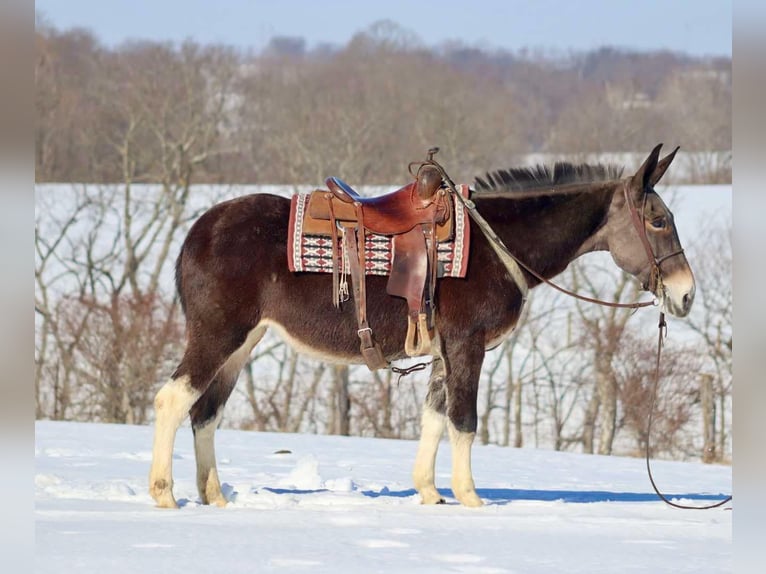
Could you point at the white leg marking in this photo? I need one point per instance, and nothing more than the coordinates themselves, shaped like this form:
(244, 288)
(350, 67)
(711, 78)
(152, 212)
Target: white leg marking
(208, 484)
(171, 407)
(462, 479)
(432, 429)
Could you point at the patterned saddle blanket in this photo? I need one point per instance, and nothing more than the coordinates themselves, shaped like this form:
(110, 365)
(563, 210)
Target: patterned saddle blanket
(309, 247)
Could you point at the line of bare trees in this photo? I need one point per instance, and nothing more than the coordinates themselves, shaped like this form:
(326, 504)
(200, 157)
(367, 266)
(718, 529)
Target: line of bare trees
(289, 115)
(149, 122)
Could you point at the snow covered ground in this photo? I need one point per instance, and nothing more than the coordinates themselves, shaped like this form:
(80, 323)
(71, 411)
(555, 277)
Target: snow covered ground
(346, 505)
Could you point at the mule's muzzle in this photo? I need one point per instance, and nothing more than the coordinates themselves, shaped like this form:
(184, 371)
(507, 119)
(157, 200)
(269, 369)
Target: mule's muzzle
(678, 294)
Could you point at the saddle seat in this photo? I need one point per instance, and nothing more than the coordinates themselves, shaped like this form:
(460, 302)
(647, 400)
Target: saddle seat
(420, 202)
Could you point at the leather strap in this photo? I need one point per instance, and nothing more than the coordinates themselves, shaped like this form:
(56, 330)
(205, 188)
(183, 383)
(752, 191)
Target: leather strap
(359, 249)
(429, 293)
(655, 274)
(371, 351)
(335, 260)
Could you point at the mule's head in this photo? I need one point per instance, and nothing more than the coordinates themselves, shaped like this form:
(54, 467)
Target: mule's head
(642, 238)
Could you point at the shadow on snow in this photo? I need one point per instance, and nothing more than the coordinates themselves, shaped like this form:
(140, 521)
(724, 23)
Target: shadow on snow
(506, 495)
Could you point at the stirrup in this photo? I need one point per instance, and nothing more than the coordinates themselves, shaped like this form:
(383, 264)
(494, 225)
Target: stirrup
(418, 341)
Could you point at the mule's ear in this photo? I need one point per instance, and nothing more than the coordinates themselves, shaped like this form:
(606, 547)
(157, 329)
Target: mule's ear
(642, 177)
(662, 167)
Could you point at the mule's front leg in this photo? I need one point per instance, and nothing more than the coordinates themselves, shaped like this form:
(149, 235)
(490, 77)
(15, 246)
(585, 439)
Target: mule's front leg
(462, 478)
(462, 383)
(171, 406)
(431, 431)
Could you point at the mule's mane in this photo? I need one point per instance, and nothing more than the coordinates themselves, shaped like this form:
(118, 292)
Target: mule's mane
(541, 176)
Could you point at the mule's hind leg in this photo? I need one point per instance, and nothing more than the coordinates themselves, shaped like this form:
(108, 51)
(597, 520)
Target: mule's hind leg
(462, 383)
(432, 424)
(205, 416)
(171, 405)
(173, 402)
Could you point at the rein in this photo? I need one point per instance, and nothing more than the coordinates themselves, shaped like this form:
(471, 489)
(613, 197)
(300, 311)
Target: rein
(512, 264)
(663, 330)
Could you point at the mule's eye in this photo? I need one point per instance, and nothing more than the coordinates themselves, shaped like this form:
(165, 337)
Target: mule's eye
(659, 223)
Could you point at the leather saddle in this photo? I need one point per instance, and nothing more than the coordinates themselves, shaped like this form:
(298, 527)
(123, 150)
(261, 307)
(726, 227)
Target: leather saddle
(416, 216)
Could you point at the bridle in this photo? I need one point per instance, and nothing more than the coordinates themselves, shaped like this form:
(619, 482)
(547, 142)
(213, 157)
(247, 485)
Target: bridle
(654, 284)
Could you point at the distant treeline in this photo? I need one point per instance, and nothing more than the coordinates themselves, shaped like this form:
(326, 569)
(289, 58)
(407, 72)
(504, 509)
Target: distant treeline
(148, 111)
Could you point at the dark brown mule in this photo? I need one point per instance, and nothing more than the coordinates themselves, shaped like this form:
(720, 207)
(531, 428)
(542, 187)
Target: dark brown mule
(234, 283)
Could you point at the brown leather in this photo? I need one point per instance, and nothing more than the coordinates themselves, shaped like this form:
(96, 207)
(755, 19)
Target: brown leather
(409, 269)
(317, 220)
(342, 190)
(335, 256)
(370, 349)
(389, 214)
(429, 181)
(344, 210)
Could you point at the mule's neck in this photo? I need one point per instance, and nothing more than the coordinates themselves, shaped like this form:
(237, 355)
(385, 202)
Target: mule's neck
(549, 232)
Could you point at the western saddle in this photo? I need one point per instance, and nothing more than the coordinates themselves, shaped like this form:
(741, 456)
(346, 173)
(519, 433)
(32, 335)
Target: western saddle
(416, 217)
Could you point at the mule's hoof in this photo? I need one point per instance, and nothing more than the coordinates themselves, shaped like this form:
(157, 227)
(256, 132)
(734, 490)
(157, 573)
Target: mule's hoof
(212, 496)
(218, 501)
(162, 493)
(165, 500)
(431, 496)
(470, 499)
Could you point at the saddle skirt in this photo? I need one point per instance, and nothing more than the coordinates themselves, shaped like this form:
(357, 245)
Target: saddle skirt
(309, 243)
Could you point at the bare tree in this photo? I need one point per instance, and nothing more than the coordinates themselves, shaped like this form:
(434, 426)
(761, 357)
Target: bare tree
(707, 403)
(602, 332)
(116, 322)
(53, 364)
(711, 321)
(697, 105)
(282, 389)
(677, 392)
(340, 413)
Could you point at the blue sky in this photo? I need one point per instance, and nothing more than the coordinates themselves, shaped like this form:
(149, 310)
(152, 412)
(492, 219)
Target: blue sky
(698, 27)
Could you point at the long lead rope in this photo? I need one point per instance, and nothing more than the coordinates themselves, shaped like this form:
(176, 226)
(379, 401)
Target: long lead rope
(663, 328)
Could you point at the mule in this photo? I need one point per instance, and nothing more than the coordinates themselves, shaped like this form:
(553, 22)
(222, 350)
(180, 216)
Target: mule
(233, 283)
